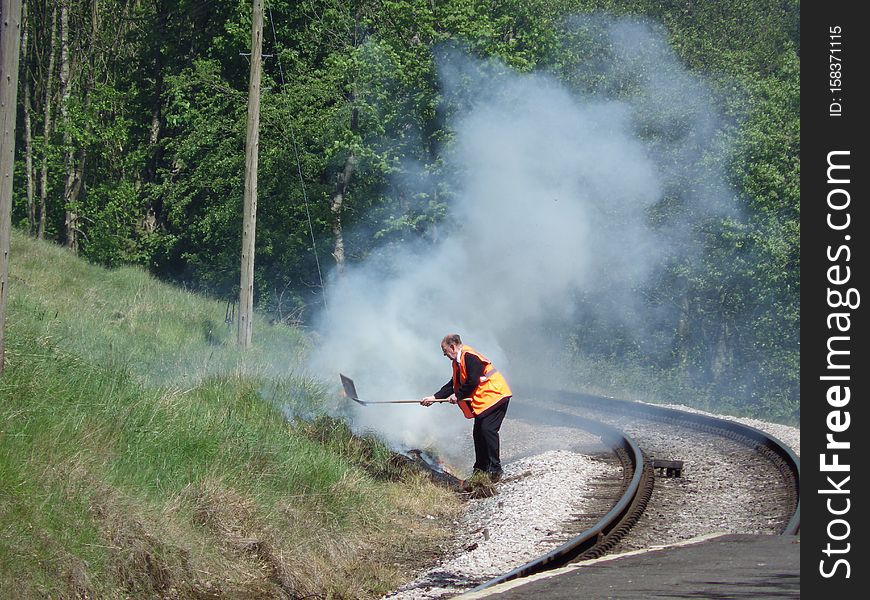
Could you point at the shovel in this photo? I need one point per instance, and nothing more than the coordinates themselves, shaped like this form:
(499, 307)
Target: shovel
(350, 392)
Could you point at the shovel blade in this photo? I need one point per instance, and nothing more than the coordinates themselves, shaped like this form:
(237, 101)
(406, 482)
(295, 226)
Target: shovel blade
(350, 389)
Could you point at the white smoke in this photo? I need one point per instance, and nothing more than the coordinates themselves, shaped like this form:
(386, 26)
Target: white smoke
(552, 191)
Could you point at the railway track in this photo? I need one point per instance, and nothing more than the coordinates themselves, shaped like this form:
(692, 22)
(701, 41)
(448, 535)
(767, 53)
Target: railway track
(638, 470)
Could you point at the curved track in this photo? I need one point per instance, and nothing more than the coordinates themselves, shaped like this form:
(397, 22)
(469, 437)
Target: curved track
(604, 534)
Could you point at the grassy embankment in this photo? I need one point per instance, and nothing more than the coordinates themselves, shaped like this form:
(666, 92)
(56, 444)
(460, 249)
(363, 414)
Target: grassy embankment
(143, 456)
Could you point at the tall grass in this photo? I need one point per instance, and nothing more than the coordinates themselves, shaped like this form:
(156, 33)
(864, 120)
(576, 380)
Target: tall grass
(142, 455)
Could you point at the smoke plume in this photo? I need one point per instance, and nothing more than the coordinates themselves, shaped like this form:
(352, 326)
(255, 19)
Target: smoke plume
(553, 187)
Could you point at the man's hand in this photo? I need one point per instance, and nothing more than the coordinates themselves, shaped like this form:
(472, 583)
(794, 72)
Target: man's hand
(452, 399)
(428, 401)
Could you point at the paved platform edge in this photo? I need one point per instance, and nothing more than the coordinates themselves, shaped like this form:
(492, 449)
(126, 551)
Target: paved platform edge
(503, 587)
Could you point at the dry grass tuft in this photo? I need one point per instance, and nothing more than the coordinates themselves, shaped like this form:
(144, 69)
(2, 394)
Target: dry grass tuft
(256, 563)
(297, 552)
(479, 485)
(141, 558)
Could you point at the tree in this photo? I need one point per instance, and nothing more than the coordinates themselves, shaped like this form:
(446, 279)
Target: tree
(156, 103)
(47, 123)
(28, 132)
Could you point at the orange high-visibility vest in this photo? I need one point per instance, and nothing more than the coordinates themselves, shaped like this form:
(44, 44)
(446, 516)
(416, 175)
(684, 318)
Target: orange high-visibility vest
(492, 388)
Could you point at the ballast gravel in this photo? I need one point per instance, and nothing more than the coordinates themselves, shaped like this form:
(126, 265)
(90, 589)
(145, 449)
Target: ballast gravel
(536, 499)
(551, 473)
(790, 436)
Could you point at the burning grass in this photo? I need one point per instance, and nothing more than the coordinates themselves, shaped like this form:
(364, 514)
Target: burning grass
(115, 486)
(110, 490)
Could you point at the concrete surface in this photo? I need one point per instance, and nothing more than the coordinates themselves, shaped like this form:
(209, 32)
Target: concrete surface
(724, 566)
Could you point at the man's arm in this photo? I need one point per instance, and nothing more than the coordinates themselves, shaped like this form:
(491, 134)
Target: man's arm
(445, 391)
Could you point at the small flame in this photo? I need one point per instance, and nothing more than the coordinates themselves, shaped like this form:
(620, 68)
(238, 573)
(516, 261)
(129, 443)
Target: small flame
(436, 463)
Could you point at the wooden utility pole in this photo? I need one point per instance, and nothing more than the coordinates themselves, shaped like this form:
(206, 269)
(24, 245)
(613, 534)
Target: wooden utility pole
(10, 45)
(249, 221)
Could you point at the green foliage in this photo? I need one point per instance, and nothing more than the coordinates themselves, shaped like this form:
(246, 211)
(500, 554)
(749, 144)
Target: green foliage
(726, 309)
(201, 188)
(158, 110)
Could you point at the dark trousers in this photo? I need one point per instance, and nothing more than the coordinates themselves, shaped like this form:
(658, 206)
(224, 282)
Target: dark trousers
(486, 442)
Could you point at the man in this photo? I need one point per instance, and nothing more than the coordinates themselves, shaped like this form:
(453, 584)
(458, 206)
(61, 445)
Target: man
(482, 393)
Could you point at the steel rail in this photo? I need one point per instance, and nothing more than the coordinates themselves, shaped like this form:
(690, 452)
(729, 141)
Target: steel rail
(611, 527)
(780, 454)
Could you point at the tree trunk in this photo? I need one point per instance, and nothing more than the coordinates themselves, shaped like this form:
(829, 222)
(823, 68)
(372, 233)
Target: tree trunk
(75, 159)
(335, 205)
(10, 40)
(339, 194)
(70, 215)
(336, 202)
(722, 361)
(47, 126)
(72, 189)
(249, 224)
(157, 103)
(154, 212)
(28, 133)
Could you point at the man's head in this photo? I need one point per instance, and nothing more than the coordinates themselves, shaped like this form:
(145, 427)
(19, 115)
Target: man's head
(451, 345)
